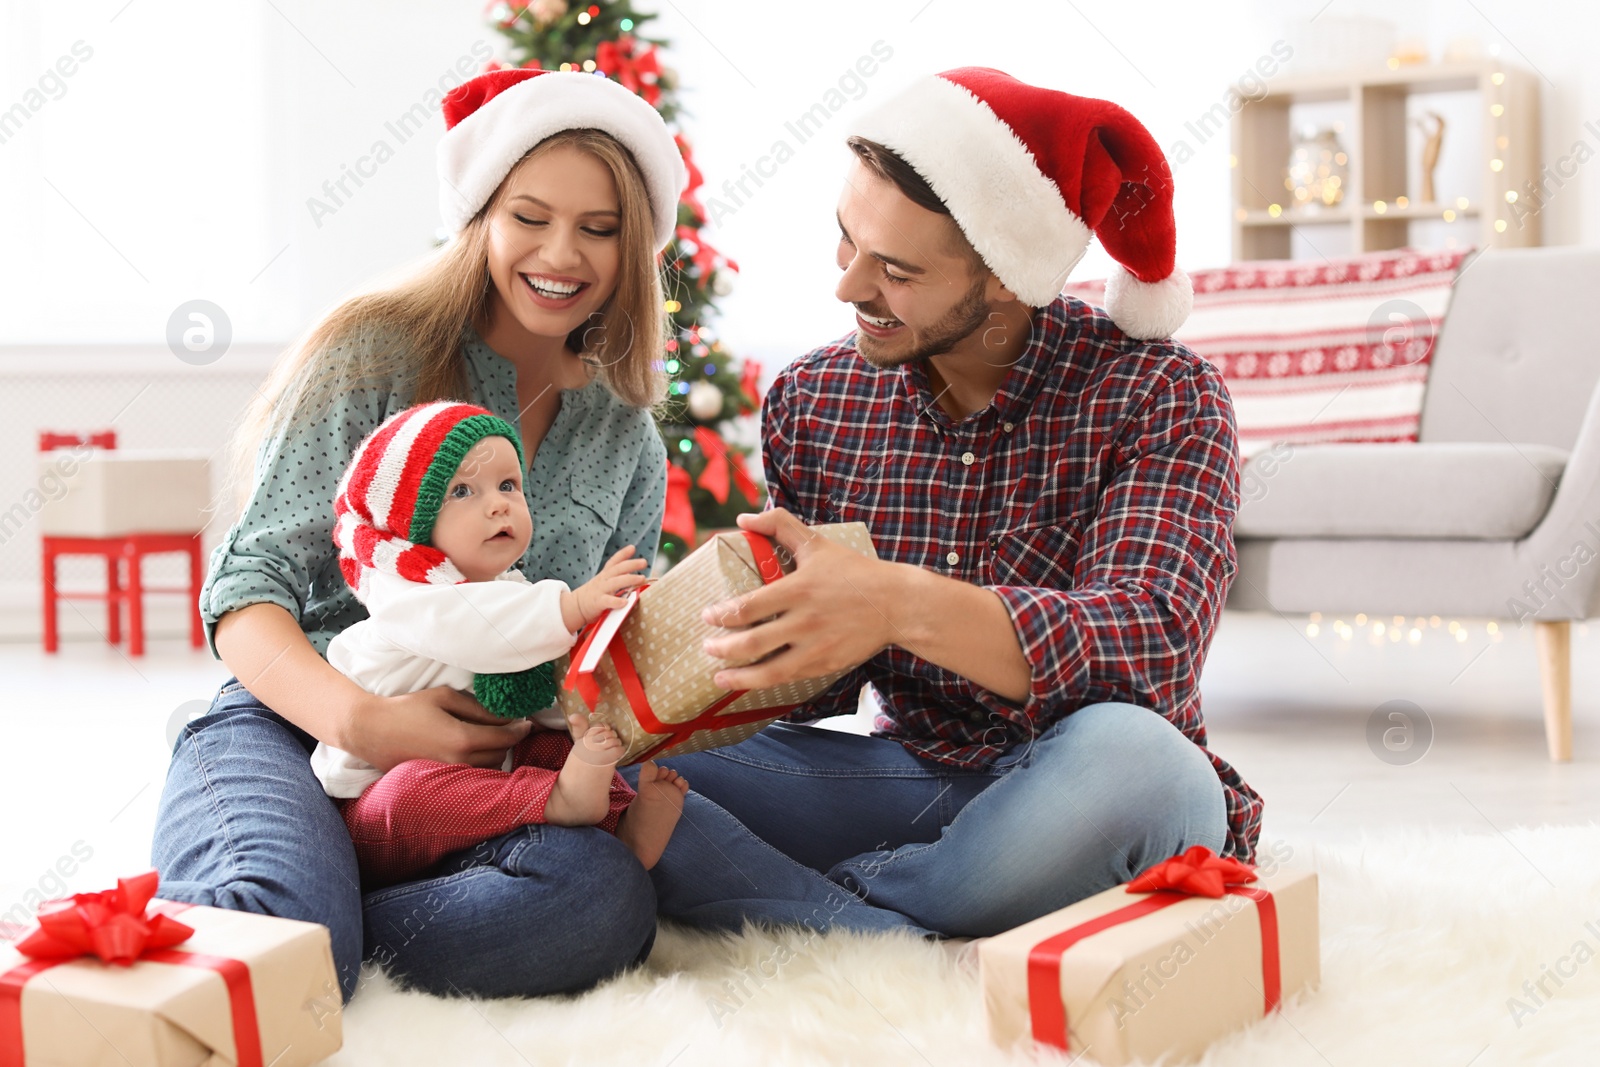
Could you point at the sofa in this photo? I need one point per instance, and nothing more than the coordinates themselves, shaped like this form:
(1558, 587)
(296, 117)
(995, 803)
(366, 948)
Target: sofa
(1494, 512)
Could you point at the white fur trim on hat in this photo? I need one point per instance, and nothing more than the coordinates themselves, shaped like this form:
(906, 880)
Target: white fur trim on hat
(1013, 216)
(1148, 311)
(475, 155)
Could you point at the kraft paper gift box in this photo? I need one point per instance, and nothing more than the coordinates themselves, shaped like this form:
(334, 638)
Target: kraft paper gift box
(642, 671)
(101, 493)
(243, 990)
(1124, 976)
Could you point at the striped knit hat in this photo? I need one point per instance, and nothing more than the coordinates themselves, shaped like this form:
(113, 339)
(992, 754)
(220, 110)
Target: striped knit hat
(389, 497)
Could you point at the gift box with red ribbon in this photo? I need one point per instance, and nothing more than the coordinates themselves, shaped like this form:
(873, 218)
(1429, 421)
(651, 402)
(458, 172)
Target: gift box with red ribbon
(1192, 949)
(641, 669)
(119, 979)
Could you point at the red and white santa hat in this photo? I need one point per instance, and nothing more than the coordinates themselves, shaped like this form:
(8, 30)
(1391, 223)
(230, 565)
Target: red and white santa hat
(389, 497)
(1030, 174)
(493, 120)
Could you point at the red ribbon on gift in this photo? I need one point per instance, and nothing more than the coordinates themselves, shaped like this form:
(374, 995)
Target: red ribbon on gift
(120, 927)
(584, 684)
(1196, 872)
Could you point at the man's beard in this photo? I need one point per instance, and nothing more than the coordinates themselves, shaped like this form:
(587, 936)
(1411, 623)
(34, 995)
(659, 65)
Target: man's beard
(956, 325)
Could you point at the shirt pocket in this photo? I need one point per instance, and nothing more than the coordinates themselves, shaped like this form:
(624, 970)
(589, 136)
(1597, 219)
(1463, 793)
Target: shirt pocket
(1044, 556)
(600, 502)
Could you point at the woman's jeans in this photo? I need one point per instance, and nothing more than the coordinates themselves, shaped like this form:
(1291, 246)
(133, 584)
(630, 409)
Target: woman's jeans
(244, 824)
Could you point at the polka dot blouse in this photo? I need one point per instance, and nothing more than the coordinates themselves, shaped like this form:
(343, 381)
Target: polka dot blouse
(598, 482)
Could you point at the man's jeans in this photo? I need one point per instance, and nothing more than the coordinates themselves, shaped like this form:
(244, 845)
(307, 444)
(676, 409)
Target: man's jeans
(244, 824)
(1104, 793)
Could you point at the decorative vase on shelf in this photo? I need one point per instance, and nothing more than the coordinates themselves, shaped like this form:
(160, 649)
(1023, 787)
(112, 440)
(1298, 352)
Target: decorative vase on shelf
(1318, 169)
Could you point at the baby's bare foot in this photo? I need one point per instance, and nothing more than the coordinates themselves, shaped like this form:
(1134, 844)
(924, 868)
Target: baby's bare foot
(648, 823)
(582, 795)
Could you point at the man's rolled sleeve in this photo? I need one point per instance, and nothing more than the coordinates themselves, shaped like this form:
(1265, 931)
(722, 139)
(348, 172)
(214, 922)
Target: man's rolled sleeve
(1153, 566)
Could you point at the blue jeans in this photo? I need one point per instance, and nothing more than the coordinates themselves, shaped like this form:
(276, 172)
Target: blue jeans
(1106, 792)
(244, 824)
(544, 909)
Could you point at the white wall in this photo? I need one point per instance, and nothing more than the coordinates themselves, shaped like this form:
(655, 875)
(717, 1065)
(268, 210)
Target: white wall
(178, 161)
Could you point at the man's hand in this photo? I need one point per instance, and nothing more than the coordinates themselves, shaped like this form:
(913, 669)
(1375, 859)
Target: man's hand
(835, 611)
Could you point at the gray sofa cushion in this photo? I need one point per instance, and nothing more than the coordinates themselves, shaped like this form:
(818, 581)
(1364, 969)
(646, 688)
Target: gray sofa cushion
(1475, 490)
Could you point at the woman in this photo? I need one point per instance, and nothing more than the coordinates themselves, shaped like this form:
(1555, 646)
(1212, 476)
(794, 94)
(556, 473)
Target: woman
(546, 309)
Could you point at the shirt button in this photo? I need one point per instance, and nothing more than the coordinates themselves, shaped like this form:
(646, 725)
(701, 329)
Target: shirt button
(1010, 426)
(967, 458)
(953, 558)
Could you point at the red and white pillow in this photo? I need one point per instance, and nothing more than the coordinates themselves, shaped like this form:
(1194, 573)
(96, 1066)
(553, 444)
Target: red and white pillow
(1315, 352)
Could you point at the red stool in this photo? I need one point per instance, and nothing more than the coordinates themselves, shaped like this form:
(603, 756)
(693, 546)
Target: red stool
(118, 549)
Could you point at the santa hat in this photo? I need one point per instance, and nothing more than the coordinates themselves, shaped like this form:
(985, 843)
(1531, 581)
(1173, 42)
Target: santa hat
(389, 497)
(493, 120)
(1029, 174)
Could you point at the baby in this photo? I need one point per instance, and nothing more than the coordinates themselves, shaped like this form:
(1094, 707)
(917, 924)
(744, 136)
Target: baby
(430, 521)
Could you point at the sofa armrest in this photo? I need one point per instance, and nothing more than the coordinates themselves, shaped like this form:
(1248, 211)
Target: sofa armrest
(1567, 540)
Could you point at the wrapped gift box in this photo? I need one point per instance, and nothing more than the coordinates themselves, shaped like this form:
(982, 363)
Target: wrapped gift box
(244, 990)
(110, 493)
(642, 669)
(1124, 976)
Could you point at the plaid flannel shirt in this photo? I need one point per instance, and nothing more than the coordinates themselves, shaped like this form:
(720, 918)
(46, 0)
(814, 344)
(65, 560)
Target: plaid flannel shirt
(1095, 495)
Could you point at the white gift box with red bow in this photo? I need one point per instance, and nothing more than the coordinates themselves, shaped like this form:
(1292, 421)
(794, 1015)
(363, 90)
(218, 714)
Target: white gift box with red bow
(1194, 948)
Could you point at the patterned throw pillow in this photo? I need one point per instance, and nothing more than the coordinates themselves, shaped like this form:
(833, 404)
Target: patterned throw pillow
(1320, 351)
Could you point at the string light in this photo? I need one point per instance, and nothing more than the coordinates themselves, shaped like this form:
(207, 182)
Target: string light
(583, 20)
(672, 366)
(626, 24)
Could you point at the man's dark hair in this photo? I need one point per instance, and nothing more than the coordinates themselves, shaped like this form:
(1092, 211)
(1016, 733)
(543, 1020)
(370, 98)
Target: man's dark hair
(891, 167)
(886, 164)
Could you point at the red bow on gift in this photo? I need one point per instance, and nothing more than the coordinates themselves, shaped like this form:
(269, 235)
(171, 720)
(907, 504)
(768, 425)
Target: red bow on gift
(1198, 872)
(110, 924)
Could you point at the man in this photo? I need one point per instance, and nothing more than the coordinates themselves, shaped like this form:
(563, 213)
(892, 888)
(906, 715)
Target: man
(1051, 492)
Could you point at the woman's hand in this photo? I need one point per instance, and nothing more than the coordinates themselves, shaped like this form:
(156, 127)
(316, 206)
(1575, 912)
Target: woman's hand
(441, 724)
(264, 647)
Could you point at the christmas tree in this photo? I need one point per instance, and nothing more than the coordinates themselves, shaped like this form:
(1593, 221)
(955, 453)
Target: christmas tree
(708, 477)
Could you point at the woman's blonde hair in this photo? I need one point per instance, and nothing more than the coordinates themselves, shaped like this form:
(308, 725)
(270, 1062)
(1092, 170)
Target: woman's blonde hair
(410, 333)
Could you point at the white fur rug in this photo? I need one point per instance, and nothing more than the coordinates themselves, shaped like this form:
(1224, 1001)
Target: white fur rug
(1427, 942)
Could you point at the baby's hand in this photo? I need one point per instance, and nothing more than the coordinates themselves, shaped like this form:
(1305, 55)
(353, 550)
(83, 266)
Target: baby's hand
(621, 573)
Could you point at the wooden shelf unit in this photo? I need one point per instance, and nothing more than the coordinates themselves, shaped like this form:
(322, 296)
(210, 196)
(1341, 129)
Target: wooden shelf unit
(1374, 139)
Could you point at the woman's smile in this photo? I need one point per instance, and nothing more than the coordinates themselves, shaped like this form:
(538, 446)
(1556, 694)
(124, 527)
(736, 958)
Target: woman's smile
(553, 291)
